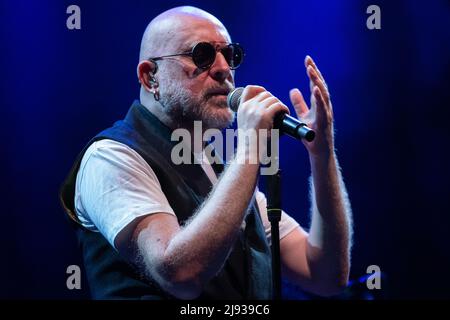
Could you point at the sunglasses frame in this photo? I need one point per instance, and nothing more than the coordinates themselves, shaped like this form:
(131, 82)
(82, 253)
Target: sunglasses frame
(191, 54)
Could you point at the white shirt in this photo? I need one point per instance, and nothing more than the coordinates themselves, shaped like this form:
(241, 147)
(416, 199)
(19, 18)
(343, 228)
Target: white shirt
(115, 186)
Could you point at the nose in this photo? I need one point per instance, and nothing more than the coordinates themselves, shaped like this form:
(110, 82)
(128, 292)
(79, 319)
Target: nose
(220, 70)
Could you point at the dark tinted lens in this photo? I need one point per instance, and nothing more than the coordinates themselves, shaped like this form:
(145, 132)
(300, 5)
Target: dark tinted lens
(234, 54)
(203, 55)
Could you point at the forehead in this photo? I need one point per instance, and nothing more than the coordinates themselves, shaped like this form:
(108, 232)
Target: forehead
(192, 30)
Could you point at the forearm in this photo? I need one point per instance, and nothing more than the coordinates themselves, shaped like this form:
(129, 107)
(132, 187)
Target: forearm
(329, 240)
(183, 259)
(197, 252)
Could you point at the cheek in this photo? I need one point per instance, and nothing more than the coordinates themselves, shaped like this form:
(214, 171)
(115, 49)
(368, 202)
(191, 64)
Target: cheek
(180, 71)
(196, 86)
(190, 71)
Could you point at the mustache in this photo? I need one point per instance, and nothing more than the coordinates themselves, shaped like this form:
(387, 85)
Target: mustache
(218, 90)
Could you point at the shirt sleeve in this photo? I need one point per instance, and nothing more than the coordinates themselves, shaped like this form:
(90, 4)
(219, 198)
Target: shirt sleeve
(114, 186)
(287, 223)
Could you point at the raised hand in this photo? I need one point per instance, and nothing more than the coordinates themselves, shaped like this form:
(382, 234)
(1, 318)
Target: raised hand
(319, 116)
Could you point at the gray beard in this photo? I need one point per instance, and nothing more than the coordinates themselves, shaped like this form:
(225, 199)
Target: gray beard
(184, 109)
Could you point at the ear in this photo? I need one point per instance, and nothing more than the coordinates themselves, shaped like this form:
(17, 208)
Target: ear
(146, 68)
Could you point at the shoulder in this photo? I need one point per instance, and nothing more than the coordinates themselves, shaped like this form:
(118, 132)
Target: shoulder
(110, 155)
(114, 186)
(108, 147)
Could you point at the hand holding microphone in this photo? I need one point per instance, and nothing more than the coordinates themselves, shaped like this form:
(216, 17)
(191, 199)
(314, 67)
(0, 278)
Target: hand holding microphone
(281, 120)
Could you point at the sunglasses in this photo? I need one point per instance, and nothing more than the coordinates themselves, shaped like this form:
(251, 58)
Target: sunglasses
(203, 55)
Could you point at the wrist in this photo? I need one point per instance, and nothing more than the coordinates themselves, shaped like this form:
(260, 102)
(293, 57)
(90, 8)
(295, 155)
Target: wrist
(246, 156)
(247, 152)
(323, 158)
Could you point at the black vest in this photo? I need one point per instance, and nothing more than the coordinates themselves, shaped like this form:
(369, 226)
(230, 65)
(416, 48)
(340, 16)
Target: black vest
(246, 273)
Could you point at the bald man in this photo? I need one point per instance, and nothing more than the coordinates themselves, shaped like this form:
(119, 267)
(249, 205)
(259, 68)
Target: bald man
(150, 229)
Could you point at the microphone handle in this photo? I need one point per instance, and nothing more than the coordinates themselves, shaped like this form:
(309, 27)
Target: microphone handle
(294, 128)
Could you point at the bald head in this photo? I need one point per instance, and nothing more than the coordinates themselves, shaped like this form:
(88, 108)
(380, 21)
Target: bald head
(172, 28)
(180, 92)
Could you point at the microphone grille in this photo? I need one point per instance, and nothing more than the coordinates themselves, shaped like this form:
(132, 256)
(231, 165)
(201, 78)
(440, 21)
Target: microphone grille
(234, 98)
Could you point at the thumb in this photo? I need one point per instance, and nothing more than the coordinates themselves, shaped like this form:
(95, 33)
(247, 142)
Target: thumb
(298, 102)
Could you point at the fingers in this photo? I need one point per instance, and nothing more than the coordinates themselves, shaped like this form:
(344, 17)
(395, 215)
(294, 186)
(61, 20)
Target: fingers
(310, 62)
(267, 102)
(258, 109)
(316, 78)
(298, 102)
(273, 105)
(316, 81)
(276, 108)
(263, 96)
(321, 110)
(251, 92)
(263, 99)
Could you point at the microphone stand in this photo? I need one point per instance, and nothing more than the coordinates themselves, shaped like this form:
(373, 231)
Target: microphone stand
(273, 186)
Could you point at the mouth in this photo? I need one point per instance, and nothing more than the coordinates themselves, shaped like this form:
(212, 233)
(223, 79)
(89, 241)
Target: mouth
(218, 92)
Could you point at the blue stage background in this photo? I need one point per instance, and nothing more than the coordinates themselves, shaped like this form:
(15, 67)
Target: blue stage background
(390, 90)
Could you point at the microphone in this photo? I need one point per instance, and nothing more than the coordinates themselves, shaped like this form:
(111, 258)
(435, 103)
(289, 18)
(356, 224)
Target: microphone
(284, 122)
